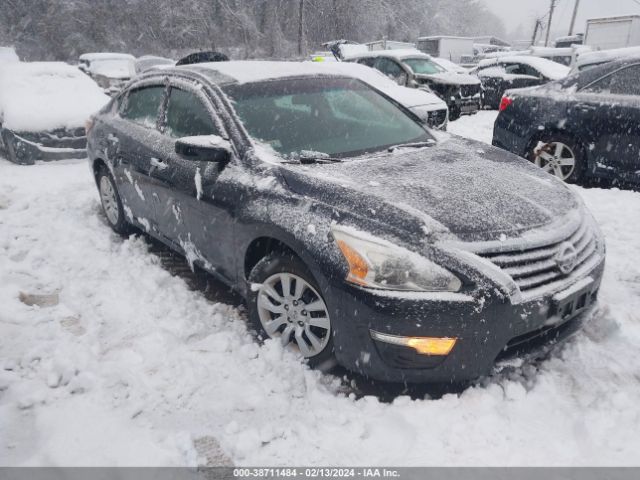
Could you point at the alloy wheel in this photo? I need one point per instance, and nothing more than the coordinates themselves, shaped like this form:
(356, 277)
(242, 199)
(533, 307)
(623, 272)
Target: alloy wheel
(291, 309)
(109, 200)
(557, 159)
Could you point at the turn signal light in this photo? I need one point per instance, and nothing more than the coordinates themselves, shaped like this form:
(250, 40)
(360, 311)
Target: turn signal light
(432, 346)
(505, 103)
(88, 125)
(358, 267)
(435, 346)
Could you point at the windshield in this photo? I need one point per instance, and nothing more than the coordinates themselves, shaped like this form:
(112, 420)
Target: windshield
(423, 66)
(334, 116)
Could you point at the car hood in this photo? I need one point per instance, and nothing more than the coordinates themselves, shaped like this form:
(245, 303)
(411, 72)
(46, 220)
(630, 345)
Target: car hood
(450, 78)
(460, 187)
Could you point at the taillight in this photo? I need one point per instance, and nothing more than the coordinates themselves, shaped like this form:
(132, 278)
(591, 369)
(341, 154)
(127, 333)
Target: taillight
(505, 103)
(88, 125)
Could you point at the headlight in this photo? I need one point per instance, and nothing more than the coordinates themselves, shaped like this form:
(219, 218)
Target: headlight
(376, 263)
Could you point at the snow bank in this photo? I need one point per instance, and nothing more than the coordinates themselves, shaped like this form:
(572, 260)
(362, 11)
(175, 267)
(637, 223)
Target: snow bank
(42, 96)
(8, 55)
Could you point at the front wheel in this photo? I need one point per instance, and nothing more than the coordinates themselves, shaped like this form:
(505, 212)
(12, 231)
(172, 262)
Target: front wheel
(286, 304)
(111, 202)
(560, 156)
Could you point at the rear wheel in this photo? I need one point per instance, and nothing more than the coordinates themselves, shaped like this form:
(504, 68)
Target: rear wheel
(286, 304)
(111, 202)
(560, 156)
(8, 146)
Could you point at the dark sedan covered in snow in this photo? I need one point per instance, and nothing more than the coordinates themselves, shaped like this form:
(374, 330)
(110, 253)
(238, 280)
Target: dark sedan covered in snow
(501, 74)
(354, 235)
(586, 126)
(43, 110)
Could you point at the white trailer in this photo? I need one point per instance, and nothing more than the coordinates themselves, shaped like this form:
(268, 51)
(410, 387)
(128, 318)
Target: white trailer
(613, 32)
(456, 49)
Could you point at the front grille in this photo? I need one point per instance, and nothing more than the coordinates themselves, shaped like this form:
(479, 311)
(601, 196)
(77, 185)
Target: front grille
(537, 267)
(469, 90)
(437, 118)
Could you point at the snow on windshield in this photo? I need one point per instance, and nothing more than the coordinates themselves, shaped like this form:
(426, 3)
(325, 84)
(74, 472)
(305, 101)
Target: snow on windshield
(42, 96)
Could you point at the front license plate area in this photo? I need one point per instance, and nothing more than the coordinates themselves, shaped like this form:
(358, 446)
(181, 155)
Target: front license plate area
(574, 301)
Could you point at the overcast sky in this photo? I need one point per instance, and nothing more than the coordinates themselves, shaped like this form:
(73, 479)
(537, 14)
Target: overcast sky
(521, 13)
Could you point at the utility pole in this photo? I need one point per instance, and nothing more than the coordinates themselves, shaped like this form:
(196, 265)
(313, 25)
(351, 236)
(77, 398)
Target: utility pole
(535, 32)
(573, 19)
(301, 45)
(551, 9)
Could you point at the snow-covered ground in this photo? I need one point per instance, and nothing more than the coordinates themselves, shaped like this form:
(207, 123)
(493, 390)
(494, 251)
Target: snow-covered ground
(129, 366)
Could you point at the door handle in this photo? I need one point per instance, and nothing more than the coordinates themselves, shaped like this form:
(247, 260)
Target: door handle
(159, 164)
(587, 108)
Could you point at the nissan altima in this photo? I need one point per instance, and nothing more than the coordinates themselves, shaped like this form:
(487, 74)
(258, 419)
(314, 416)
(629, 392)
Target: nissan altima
(355, 234)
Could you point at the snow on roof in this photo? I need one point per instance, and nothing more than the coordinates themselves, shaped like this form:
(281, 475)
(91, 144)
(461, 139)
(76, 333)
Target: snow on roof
(590, 58)
(256, 70)
(8, 54)
(398, 53)
(41, 96)
(551, 51)
(120, 68)
(106, 56)
(548, 68)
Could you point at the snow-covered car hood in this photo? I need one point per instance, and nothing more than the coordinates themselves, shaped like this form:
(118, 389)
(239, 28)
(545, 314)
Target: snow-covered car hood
(44, 96)
(467, 188)
(451, 78)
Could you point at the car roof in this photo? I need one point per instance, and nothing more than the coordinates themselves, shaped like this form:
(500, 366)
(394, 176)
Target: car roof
(106, 56)
(398, 54)
(252, 71)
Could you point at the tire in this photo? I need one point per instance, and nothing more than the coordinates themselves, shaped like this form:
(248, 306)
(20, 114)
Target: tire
(272, 314)
(8, 141)
(111, 202)
(556, 163)
(454, 113)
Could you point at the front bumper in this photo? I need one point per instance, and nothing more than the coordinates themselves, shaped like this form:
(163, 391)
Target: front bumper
(47, 146)
(487, 330)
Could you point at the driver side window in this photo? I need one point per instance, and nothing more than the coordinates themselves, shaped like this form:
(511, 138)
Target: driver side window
(391, 69)
(142, 105)
(186, 116)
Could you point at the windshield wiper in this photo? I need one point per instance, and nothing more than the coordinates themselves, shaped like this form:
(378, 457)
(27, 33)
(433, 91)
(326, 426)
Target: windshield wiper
(306, 157)
(426, 143)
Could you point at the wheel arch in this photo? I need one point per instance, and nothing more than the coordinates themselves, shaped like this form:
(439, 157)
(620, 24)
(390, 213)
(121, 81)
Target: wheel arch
(269, 241)
(554, 129)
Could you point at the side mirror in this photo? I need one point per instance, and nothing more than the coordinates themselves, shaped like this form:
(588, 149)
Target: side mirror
(205, 148)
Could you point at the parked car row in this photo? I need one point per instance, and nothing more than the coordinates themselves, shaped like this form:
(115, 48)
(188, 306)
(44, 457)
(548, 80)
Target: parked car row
(585, 126)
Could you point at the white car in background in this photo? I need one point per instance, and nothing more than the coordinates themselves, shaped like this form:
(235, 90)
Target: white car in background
(431, 109)
(110, 70)
(43, 110)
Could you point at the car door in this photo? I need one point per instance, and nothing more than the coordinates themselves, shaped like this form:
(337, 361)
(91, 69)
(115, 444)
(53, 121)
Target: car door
(609, 112)
(196, 198)
(133, 131)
